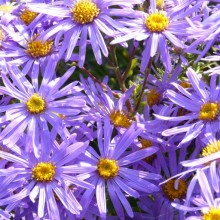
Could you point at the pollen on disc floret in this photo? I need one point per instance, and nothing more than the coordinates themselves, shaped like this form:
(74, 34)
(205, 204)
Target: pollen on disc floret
(119, 119)
(43, 172)
(209, 111)
(175, 193)
(36, 48)
(157, 22)
(36, 104)
(107, 168)
(28, 16)
(85, 11)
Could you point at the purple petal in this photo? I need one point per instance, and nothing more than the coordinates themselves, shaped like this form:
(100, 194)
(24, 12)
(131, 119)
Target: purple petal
(41, 202)
(70, 203)
(198, 84)
(204, 184)
(127, 138)
(101, 197)
(117, 204)
(136, 156)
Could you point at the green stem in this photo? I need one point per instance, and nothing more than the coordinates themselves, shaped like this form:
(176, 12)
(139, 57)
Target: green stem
(120, 80)
(146, 73)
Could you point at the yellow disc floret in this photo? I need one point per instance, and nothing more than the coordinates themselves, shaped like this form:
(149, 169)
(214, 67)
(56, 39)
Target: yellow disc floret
(37, 49)
(153, 97)
(85, 11)
(212, 214)
(35, 104)
(211, 148)
(119, 119)
(107, 168)
(28, 16)
(157, 22)
(175, 193)
(209, 111)
(44, 172)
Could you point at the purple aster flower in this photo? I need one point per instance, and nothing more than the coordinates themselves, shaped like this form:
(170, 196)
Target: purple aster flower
(204, 205)
(104, 103)
(155, 28)
(82, 18)
(45, 179)
(36, 106)
(17, 13)
(114, 172)
(202, 105)
(26, 51)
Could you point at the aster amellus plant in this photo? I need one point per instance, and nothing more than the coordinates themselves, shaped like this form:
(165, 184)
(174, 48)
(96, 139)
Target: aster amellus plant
(23, 49)
(154, 28)
(109, 109)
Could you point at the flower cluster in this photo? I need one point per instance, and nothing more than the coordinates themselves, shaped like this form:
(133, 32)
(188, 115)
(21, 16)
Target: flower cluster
(110, 109)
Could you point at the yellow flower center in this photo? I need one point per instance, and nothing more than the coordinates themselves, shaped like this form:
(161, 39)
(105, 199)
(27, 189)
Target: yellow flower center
(171, 192)
(153, 97)
(28, 16)
(119, 119)
(157, 22)
(209, 111)
(43, 172)
(6, 8)
(212, 214)
(85, 11)
(211, 148)
(37, 48)
(36, 104)
(107, 168)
